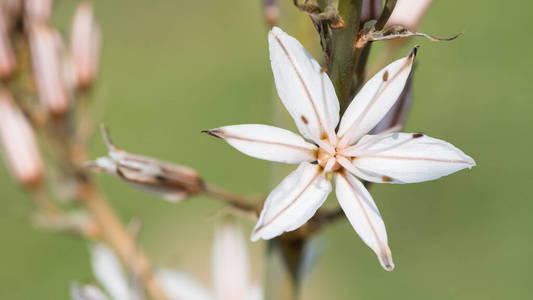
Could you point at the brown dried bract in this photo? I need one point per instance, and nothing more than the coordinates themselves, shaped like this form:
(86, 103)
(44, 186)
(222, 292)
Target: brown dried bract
(170, 181)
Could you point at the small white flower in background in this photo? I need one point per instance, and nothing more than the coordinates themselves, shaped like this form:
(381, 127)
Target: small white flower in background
(231, 274)
(408, 13)
(169, 181)
(86, 292)
(109, 273)
(309, 96)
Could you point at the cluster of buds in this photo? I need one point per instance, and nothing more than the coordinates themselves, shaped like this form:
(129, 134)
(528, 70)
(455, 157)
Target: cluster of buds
(51, 71)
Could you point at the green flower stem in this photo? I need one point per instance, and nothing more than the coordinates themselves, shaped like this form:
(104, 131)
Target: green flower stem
(344, 55)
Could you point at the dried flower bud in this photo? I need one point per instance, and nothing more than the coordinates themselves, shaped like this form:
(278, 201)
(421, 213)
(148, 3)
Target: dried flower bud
(271, 12)
(370, 10)
(38, 11)
(172, 182)
(408, 13)
(85, 42)
(20, 147)
(7, 58)
(49, 69)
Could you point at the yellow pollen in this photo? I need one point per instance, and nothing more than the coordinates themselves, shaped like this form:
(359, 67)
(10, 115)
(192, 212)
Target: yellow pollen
(323, 158)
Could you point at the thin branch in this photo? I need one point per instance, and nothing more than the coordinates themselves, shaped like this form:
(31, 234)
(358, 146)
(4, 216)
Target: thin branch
(117, 236)
(240, 202)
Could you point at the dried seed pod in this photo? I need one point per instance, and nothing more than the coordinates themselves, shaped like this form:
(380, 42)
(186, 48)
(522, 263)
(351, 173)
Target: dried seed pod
(85, 42)
(49, 69)
(171, 182)
(7, 58)
(20, 147)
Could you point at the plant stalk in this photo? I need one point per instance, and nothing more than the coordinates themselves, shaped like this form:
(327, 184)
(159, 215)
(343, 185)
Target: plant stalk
(344, 55)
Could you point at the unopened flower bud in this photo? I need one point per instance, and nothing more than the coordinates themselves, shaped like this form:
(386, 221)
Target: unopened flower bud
(171, 182)
(11, 8)
(408, 13)
(271, 12)
(38, 11)
(370, 10)
(20, 147)
(85, 42)
(7, 58)
(48, 69)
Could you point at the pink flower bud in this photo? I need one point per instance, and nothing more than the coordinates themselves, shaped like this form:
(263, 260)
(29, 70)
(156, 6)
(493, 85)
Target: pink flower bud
(408, 13)
(7, 58)
(20, 148)
(85, 45)
(11, 10)
(370, 10)
(48, 69)
(38, 11)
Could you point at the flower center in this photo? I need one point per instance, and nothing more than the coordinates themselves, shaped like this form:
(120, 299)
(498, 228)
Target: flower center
(323, 158)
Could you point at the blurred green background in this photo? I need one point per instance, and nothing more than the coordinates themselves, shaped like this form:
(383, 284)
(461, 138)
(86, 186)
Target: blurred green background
(173, 68)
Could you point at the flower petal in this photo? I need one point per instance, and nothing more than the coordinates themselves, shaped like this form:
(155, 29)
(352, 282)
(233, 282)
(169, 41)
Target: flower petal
(303, 87)
(397, 115)
(364, 216)
(267, 142)
(231, 270)
(86, 292)
(374, 100)
(109, 272)
(292, 202)
(179, 285)
(255, 292)
(407, 158)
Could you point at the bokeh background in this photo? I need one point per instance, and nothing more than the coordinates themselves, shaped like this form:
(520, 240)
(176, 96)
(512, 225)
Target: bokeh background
(173, 68)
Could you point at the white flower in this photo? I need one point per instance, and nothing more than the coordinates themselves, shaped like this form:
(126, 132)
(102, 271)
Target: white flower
(231, 275)
(309, 96)
(109, 273)
(231, 272)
